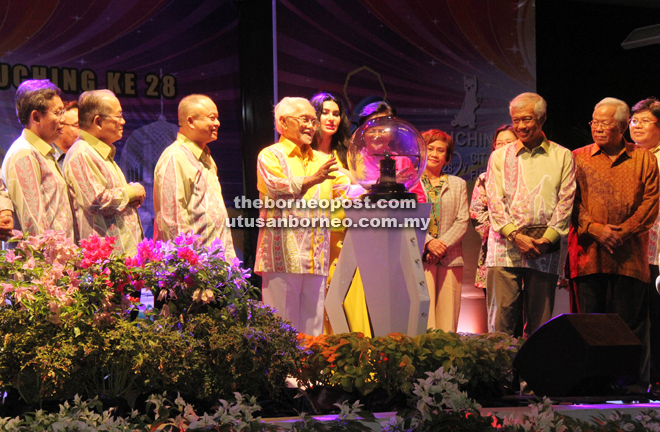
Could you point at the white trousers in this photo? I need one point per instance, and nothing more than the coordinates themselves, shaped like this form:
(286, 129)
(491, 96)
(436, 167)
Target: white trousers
(298, 298)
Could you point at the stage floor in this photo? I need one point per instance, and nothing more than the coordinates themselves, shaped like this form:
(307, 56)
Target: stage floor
(584, 412)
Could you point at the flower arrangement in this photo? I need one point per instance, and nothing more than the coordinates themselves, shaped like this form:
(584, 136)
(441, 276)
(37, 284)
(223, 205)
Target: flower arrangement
(68, 323)
(66, 327)
(56, 281)
(51, 277)
(186, 277)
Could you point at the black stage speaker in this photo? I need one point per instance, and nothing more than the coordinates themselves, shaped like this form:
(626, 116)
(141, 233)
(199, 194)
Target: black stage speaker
(580, 355)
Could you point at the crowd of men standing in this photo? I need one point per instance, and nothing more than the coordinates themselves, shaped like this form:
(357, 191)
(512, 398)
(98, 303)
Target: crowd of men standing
(597, 205)
(603, 197)
(61, 175)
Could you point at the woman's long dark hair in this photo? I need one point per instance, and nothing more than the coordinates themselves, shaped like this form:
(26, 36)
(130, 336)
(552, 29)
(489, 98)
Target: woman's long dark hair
(341, 138)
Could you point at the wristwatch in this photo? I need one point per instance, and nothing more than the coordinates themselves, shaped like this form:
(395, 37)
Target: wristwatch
(512, 235)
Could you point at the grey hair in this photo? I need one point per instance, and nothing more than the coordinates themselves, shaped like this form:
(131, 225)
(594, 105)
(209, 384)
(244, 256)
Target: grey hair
(288, 106)
(622, 113)
(524, 99)
(91, 104)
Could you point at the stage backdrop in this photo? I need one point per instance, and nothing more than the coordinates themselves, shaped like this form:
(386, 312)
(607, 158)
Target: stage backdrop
(149, 52)
(452, 65)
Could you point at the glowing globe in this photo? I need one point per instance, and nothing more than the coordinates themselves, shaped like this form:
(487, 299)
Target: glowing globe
(387, 155)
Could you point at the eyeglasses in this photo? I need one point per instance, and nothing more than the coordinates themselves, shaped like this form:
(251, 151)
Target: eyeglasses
(595, 124)
(58, 113)
(75, 125)
(643, 122)
(504, 142)
(306, 120)
(116, 117)
(525, 120)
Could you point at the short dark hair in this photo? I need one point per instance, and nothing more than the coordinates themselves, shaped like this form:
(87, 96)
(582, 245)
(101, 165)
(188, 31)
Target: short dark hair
(376, 108)
(649, 104)
(438, 135)
(34, 95)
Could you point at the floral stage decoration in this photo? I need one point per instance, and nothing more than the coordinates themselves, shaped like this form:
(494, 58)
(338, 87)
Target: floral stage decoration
(74, 337)
(70, 322)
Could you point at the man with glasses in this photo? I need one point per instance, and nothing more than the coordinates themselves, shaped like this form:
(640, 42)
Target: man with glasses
(616, 205)
(70, 130)
(34, 180)
(187, 192)
(530, 189)
(103, 202)
(294, 262)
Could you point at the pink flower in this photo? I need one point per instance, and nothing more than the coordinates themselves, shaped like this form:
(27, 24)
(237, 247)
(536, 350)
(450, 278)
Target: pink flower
(185, 240)
(10, 256)
(58, 270)
(29, 265)
(74, 282)
(6, 289)
(16, 235)
(54, 307)
(148, 250)
(132, 262)
(38, 241)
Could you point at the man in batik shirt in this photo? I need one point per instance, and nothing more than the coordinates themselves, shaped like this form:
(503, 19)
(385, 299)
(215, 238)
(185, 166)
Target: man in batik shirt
(187, 193)
(30, 172)
(615, 207)
(103, 202)
(530, 182)
(294, 262)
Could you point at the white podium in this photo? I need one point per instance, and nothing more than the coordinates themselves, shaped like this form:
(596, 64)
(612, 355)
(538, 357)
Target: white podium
(391, 269)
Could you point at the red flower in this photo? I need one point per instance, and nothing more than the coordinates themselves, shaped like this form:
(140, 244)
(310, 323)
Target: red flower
(96, 249)
(189, 281)
(120, 287)
(188, 255)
